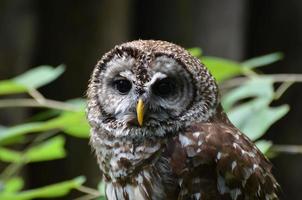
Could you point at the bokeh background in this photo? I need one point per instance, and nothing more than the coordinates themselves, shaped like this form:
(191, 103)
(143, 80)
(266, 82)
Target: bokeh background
(77, 33)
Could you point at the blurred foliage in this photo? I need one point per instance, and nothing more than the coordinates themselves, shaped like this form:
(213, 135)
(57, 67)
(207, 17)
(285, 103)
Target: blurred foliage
(247, 97)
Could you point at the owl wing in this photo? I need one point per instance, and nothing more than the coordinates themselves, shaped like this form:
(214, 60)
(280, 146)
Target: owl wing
(216, 161)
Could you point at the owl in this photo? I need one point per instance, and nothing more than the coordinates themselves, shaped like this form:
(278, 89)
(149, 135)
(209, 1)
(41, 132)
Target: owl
(159, 131)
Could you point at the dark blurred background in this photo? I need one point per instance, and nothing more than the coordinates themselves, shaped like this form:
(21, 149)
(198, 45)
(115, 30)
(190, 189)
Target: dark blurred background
(77, 33)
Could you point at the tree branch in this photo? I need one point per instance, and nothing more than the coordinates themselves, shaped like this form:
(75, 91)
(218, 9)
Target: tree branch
(89, 191)
(276, 78)
(34, 103)
(292, 149)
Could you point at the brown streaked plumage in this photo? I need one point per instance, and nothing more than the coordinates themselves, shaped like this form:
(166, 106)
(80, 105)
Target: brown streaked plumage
(183, 146)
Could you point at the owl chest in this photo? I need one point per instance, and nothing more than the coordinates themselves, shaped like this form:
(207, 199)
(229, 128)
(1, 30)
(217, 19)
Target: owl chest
(140, 173)
(148, 184)
(120, 159)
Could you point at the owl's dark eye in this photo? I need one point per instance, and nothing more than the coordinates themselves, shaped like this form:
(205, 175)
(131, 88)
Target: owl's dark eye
(122, 85)
(164, 87)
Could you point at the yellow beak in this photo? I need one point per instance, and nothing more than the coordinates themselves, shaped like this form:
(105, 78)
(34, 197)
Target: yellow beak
(140, 111)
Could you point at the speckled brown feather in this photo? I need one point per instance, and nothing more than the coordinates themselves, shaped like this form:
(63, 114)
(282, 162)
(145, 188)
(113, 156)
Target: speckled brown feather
(213, 150)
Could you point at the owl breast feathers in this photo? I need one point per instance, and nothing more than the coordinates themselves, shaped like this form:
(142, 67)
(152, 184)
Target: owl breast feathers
(159, 131)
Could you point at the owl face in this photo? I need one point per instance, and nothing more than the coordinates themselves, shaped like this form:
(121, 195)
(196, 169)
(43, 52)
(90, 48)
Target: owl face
(144, 92)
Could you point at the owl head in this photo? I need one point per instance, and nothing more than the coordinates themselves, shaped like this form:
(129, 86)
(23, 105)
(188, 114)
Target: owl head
(149, 88)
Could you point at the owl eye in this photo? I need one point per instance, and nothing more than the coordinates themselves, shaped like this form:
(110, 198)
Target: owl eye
(122, 85)
(164, 87)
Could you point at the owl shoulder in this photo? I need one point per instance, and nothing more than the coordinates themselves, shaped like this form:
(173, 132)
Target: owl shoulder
(219, 155)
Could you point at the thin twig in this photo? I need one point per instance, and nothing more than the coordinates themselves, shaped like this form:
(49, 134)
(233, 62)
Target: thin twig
(292, 149)
(33, 103)
(275, 77)
(37, 95)
(89, 190)
(282, 89)
(11, 170)
(249, 72)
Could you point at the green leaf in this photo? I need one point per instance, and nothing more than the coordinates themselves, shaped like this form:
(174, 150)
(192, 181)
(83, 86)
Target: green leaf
(76, 124)
(13, 185)
(222, 69)
(33, 78)
(255, 117)
(73, 123)
(13, 140)
(11, 87)
(264, 145)
(195, 51)
(39, 76)
(263, 60)
(50, 191)
(44, 115)
(51, 149)
(255, 87)
(102, 198)
(20, 130)
(8, 155)
(101, 188)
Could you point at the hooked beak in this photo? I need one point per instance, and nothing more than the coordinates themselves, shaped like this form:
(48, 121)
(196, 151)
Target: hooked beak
(140, 111)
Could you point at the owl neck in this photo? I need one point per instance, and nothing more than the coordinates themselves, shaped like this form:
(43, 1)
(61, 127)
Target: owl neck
(118, 158)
